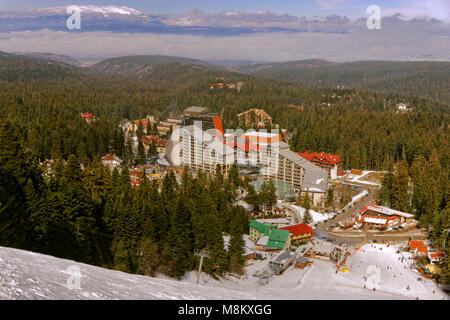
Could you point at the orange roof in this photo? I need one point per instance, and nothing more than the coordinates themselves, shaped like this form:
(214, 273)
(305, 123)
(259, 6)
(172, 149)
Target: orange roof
(322, 156)
(87, 115)
(419, 245)
(136, 173)
(436, 254)
(159, 142)
(109, 157)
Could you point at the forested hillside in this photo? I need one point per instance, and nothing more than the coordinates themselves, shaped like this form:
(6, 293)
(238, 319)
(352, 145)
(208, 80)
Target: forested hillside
(415, 78)
(95, 216)
(15, 67)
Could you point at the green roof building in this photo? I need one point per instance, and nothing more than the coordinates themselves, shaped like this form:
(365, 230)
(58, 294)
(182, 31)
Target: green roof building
(278, 239)
(258, 230)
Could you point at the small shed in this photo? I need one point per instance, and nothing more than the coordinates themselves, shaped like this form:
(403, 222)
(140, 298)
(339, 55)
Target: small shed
(301, 263)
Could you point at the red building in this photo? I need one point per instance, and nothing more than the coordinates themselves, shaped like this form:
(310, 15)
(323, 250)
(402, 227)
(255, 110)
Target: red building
(299, 232)
(89, 117)
(381, 217)
(331, 162)
(418, 247)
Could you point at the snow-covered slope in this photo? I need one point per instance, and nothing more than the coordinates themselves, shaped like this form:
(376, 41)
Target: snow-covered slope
(28, 275)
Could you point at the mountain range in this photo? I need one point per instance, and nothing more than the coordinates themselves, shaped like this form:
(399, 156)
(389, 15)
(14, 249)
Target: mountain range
(195, 21)
(112, 31)
(427, 79)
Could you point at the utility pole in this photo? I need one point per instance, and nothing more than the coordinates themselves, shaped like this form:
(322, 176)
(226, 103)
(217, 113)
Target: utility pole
(202, 254)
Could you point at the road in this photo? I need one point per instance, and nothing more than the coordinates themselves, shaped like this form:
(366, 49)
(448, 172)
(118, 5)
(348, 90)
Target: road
(355, 238)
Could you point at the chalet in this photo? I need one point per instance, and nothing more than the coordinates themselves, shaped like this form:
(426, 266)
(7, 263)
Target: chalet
(381, 217)
(159, 142)
(89, 117)
(135, 175)
(111, 161)
(149, 121)
(279, 240)
(258, 230)
(254, 118)
(331, 162)
(267, 237)
(299, 232)
(418, 248)
(435, 256)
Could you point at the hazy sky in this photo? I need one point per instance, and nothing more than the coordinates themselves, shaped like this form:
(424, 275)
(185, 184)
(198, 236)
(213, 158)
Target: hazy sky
(351, 8)
(417, 41)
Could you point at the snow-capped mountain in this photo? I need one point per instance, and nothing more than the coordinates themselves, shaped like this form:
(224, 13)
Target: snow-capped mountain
(121, 19)
(87, 9)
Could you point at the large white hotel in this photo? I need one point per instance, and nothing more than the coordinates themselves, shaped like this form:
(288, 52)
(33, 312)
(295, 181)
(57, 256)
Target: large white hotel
(203, 150)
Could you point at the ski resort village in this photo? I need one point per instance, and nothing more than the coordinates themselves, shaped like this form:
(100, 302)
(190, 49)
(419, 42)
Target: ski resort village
(313, 229)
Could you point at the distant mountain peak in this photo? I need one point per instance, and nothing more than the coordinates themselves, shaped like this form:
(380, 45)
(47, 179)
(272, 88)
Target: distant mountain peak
(92, 9)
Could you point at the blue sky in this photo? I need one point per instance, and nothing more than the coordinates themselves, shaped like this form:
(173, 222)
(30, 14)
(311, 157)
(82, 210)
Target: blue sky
(350, 8)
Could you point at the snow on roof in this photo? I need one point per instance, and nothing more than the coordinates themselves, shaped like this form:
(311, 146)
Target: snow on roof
(263, 241)
(385, 210)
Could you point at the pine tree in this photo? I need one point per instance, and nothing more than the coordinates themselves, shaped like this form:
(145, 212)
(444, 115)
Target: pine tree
(142, 158)
(330, 197)
(236, 247)
(400, 187)
(307, 219)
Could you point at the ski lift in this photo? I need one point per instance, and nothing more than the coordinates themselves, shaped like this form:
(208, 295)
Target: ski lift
(78, 235)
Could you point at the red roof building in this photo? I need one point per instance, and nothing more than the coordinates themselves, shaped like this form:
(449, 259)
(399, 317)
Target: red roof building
(331, 162)
(299, 232)
(418, 247)
(88, 116)
(158, 141)
(435, 257)
(374, 215)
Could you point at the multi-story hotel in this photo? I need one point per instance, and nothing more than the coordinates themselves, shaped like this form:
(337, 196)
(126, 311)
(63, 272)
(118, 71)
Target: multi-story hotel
(201, 150)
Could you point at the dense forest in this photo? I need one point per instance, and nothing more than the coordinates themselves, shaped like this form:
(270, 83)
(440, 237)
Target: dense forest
(363, 127)
(427, 79)
(423, 188)
(94, 216)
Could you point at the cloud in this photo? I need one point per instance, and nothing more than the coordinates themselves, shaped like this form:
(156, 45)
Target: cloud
(330, 4)
(438, 9)
(386, 44)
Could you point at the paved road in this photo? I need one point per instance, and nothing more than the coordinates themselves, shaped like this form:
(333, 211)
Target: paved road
(355, 238)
